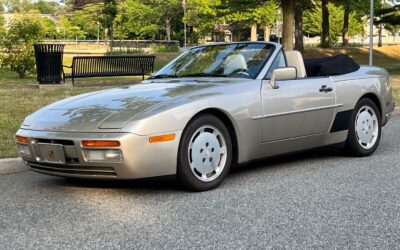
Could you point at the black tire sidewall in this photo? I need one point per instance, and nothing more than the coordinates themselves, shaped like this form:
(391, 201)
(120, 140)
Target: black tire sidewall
(352, 143)
(184, 173)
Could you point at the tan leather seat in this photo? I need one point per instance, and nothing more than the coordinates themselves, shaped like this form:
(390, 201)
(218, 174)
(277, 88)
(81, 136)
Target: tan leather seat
(234, 63)
(295, 59)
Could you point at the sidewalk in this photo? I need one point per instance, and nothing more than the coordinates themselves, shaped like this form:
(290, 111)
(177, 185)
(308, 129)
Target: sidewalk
(12, 165)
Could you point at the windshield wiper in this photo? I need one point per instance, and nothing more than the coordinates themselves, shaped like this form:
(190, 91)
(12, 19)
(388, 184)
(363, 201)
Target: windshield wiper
(203, 75)
(163, 76)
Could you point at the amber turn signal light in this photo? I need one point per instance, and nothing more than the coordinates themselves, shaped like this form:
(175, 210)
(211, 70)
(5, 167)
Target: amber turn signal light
(100, 144)
(21, 139)
(161, 138)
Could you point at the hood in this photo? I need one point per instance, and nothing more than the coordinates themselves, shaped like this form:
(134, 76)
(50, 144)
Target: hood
(108, 109)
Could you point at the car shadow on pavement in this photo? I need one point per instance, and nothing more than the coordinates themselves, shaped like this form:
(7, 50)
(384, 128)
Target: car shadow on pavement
(286, 160)
(151, 184)
(169, 183)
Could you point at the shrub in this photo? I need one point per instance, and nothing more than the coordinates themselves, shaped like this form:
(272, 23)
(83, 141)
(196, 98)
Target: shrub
(16, 44)
(164, 47)
(126, 51)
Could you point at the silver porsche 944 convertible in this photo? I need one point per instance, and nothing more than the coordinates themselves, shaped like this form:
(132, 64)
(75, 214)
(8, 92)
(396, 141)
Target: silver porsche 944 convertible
(212, 108)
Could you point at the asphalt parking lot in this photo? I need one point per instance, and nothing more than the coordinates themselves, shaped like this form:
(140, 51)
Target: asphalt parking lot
(319, 199)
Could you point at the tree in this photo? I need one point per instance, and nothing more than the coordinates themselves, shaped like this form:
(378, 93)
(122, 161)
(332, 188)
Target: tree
(249, 14)
(325, 38)
(135, 20)
(45, 7)
(17, 43)
(313, 22)
(361, 7)
(49, 28)
(2, 29)
(393, 29)
(389, 15)
(69, 30)
(11, 6)
(288, 20)
(298, 20)
(87, 19)
(345, 31)
(109, 11)
(202, 15)
(167, 11)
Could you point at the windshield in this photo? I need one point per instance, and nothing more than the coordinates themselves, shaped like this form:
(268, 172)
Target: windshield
(241, 60)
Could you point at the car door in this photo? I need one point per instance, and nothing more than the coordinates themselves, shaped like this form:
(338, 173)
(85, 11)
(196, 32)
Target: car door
(300, 107)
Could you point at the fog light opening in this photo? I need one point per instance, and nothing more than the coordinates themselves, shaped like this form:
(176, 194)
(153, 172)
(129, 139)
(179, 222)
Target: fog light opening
(107, 155)
(24, 150)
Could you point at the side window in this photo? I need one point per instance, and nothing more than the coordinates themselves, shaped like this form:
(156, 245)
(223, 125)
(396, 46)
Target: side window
(279, 62)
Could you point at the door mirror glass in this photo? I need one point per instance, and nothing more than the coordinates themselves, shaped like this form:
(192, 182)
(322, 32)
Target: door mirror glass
(282, 74)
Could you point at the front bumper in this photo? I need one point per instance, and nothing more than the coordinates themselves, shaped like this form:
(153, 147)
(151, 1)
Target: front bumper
(141, 159)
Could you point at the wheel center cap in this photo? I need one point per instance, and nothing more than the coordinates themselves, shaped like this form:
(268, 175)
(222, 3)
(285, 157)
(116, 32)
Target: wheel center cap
(366, 127)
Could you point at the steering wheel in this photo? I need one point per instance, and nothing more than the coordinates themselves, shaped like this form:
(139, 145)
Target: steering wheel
(240, 72)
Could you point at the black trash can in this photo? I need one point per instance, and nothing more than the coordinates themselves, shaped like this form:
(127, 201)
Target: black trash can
(49, 58)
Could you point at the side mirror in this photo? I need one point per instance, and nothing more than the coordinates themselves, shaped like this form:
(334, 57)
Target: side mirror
(281, 74)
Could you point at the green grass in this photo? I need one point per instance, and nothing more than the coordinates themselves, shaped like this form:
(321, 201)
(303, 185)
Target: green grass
(18, 103)
(11, 78)
(20, 97)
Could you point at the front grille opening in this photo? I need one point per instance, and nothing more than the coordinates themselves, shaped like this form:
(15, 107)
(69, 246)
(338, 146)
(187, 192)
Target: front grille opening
(71, 160)
(73, 170)
(62, 142)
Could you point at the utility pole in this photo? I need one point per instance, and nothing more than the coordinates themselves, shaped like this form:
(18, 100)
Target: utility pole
(371, 33)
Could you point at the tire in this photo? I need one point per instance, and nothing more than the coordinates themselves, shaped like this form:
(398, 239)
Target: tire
(365, 129)
(205, 154)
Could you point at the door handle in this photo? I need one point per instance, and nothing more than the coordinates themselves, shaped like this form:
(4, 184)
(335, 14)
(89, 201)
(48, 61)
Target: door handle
(325, 89)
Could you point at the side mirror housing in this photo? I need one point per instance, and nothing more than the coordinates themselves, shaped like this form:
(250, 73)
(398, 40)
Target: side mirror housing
(282, 74)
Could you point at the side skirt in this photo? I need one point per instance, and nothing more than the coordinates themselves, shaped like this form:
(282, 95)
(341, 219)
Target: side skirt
(294, 145)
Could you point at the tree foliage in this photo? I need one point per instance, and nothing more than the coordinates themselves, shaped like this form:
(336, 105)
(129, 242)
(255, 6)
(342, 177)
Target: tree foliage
(313, 21)
(164, 19)
(45, 7)
(18, 54)
(390, 15)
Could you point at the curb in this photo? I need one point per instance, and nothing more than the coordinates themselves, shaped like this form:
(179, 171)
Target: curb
(396, 111)
(16, 165)
(12, 165)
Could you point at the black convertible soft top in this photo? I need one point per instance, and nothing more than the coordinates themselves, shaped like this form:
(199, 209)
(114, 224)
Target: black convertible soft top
(330, 66)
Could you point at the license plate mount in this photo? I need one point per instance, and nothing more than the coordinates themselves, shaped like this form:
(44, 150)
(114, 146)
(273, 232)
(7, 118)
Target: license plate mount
(52, 153)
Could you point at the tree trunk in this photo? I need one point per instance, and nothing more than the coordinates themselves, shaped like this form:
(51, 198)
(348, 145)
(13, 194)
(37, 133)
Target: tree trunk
(168, 29)
(111, 30)
(325, 39)
(106, 36)
(288, 20)
(298, 23)
(267, 33)
(253, 36)
(345, 31)
(380, 27)
(22, 74)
